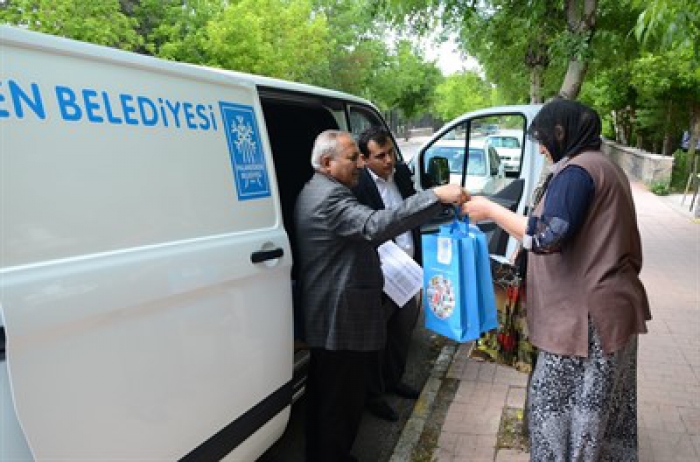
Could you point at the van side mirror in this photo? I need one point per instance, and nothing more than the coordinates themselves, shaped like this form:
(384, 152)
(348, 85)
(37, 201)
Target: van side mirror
(438, 171)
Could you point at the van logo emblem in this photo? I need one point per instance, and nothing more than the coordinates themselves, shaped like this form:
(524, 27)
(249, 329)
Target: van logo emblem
(245, 150)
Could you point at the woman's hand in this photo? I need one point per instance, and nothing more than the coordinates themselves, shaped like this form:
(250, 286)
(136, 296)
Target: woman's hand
(478, 208)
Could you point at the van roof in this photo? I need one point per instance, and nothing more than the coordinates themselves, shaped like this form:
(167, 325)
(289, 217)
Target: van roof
(30, 39)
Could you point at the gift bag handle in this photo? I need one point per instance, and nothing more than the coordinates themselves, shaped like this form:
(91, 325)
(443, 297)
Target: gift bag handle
(458, 227)
(457, 219)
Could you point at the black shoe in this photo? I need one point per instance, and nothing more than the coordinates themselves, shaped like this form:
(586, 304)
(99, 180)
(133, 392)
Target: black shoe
(381, 409)
(405, 391)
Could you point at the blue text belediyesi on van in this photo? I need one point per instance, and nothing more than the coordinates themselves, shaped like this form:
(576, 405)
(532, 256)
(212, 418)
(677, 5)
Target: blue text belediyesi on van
(95, 106)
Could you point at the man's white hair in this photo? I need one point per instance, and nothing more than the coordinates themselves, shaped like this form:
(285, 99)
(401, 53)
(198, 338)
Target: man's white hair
(326, 144)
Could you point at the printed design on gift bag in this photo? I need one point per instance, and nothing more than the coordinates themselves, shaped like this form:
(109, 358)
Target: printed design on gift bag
(444, 250)
(441, 296)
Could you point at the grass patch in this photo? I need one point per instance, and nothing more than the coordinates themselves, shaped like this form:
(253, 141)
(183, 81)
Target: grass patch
(423, 452)
(511, 434)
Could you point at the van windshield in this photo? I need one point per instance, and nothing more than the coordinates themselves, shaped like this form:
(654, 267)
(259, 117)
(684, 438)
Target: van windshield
(455, 158)
(505, 142)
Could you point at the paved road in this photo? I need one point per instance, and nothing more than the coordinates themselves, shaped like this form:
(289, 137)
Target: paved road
(377, 438)
(410, 148)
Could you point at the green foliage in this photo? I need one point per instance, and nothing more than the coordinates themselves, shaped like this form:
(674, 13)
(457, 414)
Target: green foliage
(509, 39)
(669, 24)
(96, 21)
(355, 69)
(175, 29)
(660, 189)
(276, 38)
(679, 175)
(573, 44)
(645, 93)
(665, 83)
(350, 22)
(666, 74)
(608, 129)
(359, 51)
(516, 42)
(460, 93)
(407, 82)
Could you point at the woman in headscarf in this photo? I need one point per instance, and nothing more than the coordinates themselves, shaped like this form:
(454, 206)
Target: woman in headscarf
(586, 304)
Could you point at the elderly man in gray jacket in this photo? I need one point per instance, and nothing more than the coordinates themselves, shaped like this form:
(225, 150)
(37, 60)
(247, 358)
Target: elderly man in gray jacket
(341, 287)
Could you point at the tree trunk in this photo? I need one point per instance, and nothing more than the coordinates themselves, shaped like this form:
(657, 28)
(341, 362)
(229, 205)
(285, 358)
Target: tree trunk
(616, 126)
(666, 146)
(691, 167)
(537, 60)
(573, 79)
(536, 74)
(629, 124)
(580, 20)
(622, 126)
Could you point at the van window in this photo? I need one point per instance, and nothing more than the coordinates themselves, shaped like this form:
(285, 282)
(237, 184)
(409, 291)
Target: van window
(361, 119)
(483, 173)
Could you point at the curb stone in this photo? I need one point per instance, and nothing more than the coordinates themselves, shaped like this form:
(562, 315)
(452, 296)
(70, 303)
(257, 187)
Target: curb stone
(412, 431)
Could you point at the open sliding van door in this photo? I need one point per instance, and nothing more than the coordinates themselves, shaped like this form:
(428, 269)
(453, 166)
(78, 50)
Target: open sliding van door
(476, 162)
(144, 269)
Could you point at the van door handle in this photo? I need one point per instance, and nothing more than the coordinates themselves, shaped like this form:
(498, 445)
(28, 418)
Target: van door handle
(2, 344)
(263, 255)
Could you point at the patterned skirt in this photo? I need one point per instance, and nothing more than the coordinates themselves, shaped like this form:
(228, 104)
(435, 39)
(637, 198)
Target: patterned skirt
(585, 409)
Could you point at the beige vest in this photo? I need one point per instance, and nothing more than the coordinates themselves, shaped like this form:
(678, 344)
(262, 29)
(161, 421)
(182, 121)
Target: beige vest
(596, 274)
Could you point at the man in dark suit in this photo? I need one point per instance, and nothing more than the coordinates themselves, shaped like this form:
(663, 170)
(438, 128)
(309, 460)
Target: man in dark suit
(341, 287)
(384, 185)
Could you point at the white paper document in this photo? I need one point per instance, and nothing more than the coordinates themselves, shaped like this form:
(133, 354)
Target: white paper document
(403, 277)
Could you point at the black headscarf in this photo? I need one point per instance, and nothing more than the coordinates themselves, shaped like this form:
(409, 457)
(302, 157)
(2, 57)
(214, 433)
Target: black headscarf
(566, 128)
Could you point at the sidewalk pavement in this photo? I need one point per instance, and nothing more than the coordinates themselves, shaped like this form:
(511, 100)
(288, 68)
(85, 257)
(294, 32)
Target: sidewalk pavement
(668, 368)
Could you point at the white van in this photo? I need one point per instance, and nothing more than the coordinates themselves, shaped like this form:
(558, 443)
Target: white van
(145, 260)
(508, 145)
(146, 278)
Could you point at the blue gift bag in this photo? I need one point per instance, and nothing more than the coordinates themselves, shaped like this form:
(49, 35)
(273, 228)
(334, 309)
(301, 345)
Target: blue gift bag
(458, 296)
(488, 315)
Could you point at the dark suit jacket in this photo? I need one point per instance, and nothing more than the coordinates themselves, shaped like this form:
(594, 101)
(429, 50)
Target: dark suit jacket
(339, 270)
(367, 193)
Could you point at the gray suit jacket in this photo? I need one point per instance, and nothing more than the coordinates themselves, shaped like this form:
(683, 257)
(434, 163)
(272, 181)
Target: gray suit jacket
(338, 266)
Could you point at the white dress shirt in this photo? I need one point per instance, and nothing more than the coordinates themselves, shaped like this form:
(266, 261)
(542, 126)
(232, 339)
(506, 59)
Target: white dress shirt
(391, 197)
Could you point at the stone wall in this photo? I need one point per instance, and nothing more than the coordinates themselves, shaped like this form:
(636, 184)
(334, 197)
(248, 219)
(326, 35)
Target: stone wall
(641, 165)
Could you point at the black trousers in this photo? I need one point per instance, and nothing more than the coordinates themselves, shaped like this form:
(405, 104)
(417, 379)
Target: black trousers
(390, 363)
(335, 394)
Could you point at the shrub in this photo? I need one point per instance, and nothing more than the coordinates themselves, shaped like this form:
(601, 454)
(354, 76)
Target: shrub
(660, 189)
(678, 173)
